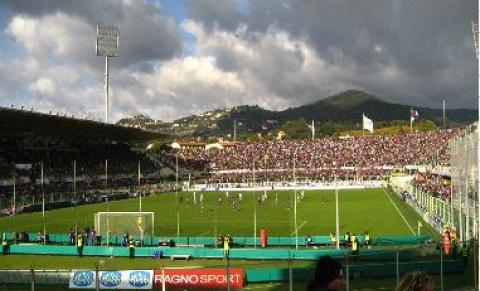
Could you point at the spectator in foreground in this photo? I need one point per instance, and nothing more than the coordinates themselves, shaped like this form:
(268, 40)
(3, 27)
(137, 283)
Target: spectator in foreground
(416, 281)
(328, 275)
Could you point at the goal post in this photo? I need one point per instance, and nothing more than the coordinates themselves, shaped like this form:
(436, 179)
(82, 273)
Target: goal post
(138, 224)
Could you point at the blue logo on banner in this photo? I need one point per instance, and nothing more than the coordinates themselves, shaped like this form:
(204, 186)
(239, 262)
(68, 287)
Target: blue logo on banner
(82, 278)
(139, 278)
(111, 279)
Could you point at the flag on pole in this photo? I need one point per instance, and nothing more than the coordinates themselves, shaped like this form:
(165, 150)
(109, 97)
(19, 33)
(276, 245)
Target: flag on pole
(367, 123)
(313, 129)
(414, 116)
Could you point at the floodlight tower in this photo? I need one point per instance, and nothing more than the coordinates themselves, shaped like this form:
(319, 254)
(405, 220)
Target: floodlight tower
(107, 46)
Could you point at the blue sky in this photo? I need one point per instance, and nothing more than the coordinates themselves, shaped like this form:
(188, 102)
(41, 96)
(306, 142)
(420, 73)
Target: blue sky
(185, 57)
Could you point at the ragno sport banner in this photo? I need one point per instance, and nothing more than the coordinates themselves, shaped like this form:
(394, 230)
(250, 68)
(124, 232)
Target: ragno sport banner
(198, 278)
(135, 279)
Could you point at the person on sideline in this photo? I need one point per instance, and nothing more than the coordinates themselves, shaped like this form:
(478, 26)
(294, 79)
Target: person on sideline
(80, 245)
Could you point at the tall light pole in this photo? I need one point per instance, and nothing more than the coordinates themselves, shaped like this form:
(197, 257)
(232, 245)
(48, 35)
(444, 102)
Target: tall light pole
(139, 187)
(178, 201)
(43, 205)
(97, 268)
(295, 201)
(107, 198)
(107, 46)
(14, 208)
(254, 209)
(176, 147)
(476, 40)
(74, 198)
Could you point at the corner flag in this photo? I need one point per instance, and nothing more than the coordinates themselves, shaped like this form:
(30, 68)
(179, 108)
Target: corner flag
(367, 123)
(419, 226)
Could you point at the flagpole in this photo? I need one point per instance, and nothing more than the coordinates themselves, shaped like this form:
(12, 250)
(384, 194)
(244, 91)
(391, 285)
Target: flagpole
(43, 205)
(14, 208)
(411, 121)
(313, 130)
(295, 202)
(108, 198)
(234, 130)
(363, 125)
(254, 209)
(444, 116)
(75, 198)
(139, 191)
(337, 214)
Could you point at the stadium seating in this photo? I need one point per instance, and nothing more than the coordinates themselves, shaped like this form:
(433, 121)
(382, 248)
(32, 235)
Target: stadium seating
(363, 157)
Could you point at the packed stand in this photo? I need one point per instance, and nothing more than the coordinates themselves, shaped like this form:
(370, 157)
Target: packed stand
(369, 155)
(57, 163)
(433, 184)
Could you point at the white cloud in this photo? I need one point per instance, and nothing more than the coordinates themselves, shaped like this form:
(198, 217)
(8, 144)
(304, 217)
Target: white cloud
(227, 64)
(43, 86)
(53, 35)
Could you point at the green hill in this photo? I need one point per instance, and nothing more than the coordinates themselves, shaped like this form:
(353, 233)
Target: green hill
(345, 108)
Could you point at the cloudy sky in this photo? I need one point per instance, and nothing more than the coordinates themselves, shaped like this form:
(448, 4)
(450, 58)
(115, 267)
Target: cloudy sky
(178, 58)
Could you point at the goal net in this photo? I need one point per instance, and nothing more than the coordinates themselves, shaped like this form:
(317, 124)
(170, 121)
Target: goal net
(137, 224)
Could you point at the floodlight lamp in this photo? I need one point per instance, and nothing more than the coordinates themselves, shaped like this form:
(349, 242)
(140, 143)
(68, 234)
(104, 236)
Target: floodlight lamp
(475, 36)
(107, 40)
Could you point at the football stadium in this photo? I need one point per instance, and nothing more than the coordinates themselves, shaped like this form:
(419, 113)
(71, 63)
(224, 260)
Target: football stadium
(232, 145)
(105, 200)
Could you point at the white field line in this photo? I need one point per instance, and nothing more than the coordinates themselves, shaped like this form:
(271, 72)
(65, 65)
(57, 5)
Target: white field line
(301, 225)
(399, 212)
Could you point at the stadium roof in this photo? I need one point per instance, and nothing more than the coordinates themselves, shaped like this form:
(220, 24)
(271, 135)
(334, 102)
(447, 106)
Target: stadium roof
(29, 126)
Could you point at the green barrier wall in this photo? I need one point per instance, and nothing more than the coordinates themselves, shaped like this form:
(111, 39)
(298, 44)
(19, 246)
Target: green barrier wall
(244, 241)
(400, 240)
(357, 271)
(239, 253)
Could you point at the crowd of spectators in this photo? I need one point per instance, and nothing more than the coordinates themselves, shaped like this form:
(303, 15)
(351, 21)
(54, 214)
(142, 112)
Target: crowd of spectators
(319, 175)
(433, 184)
(27, 162)
(348, 156)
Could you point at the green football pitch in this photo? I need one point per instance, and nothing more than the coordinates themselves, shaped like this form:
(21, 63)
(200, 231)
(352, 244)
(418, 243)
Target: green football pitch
(375, 210)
